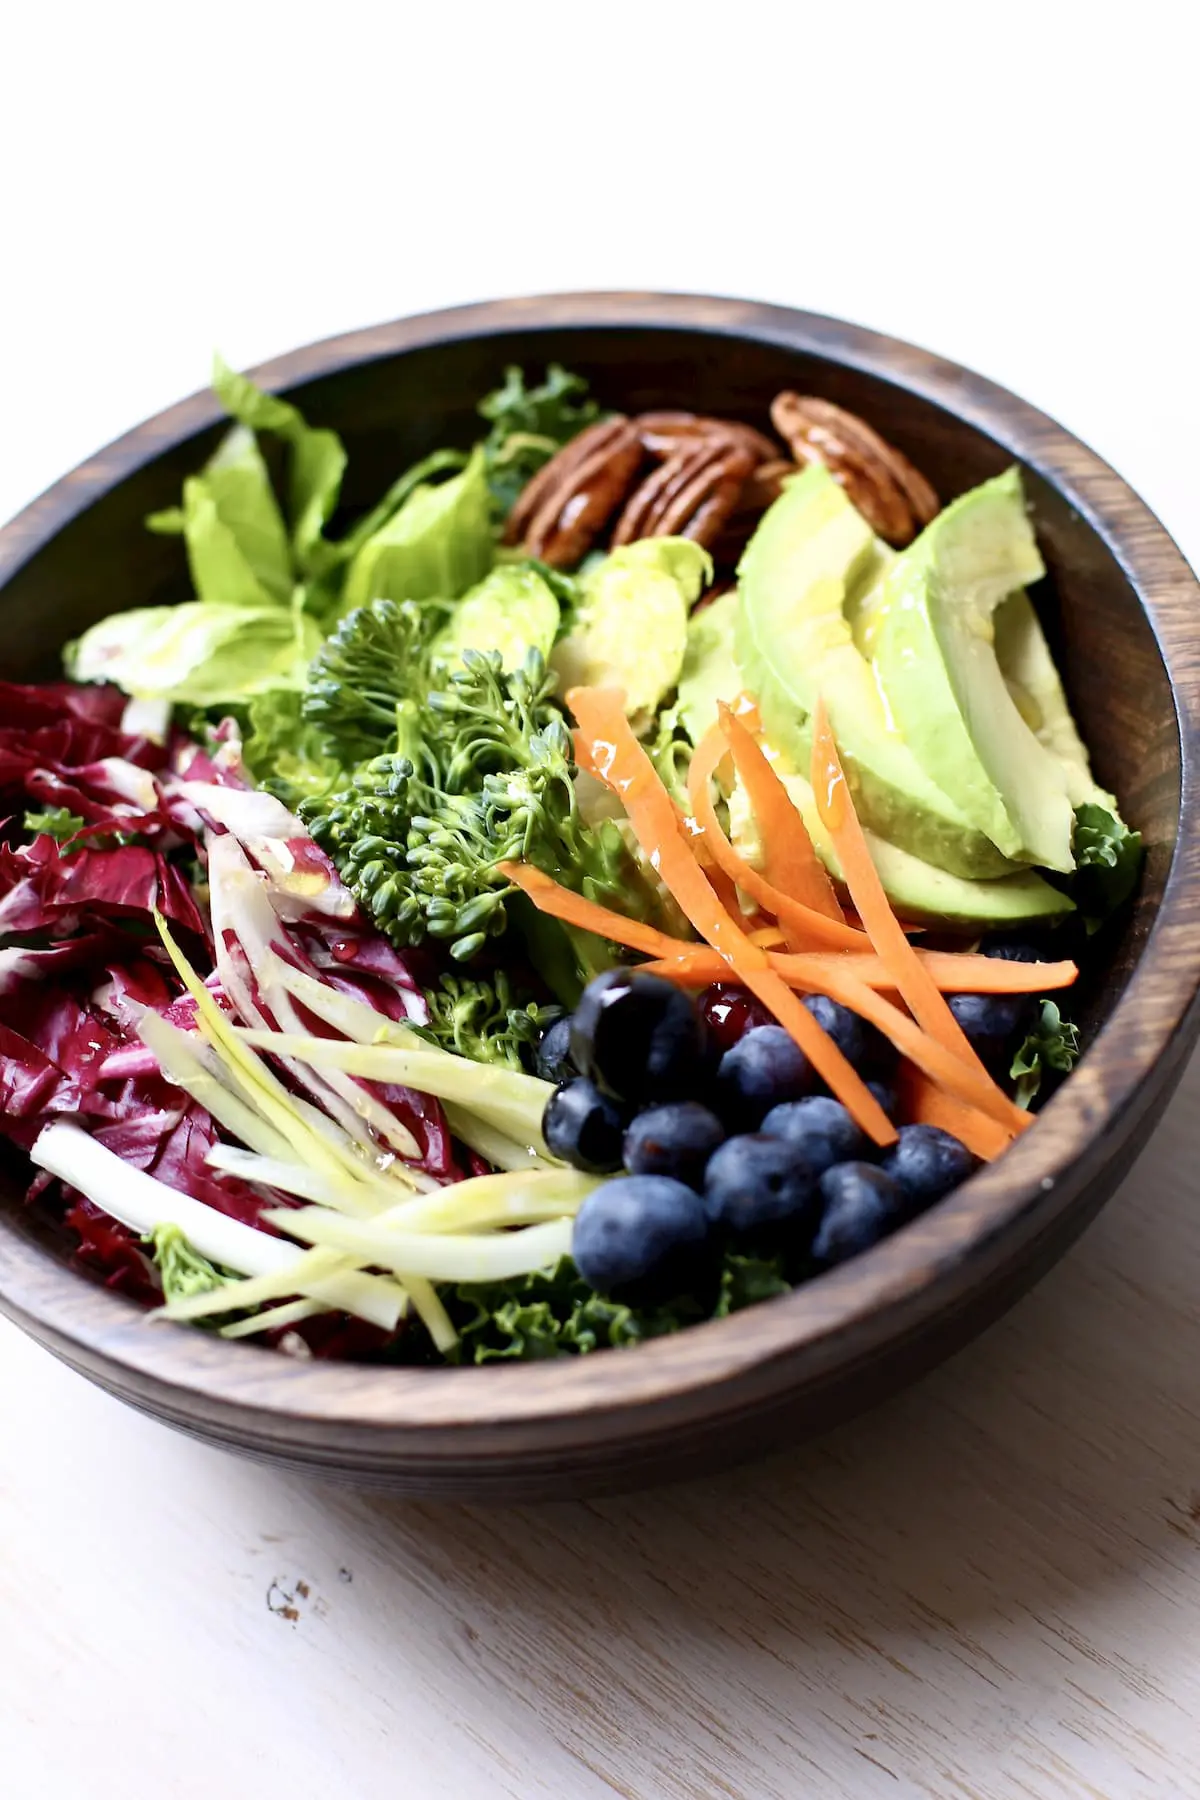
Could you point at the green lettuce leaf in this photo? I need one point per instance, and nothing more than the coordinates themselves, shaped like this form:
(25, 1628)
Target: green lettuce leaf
(436, 545)
(316, 467)
(198, 653)
(233, 532)
(1052, 1047)
(1108, 858)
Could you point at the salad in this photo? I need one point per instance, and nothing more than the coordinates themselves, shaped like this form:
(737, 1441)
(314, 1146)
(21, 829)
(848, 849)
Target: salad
(635, 867)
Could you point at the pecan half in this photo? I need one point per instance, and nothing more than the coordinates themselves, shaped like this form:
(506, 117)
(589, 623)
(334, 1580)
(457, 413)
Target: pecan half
(662, 433)
(892, 496)
(563, 464)
(692, 494)
(575, 496)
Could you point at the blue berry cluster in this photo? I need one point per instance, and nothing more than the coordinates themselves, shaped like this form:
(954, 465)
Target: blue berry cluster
(722, 1141)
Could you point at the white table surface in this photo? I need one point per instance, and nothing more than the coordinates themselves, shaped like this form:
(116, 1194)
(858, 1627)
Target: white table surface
(990, 1587)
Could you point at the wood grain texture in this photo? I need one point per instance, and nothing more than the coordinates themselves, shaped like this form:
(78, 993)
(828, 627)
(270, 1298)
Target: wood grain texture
(1123, 605)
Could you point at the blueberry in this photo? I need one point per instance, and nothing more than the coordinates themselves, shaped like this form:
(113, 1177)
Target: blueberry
(847, 1030)
(758, 1190)
(989, 1021)
(641, 1238)
(885, 1093)
(819, 1130)
(674, 1139)
(730, 1012)
(1003, 951)
(583, 1127)
(554, 1053)
(862, 1046)
(638, 1037)
(861, 1205)
(763, 1069)
(925, 1163)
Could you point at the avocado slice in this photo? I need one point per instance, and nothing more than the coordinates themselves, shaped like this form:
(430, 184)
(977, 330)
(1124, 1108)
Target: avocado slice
(915, 888)
(710, 672)
(810, 557)
(1033, 681)
(511, 610)
(936, 663)
(630, 627)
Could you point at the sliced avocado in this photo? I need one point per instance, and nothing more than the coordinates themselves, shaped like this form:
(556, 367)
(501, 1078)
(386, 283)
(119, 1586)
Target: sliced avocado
(630, 627)
(916, 889)
(1032, 680)
(512, 610)
(935, 659)
(710, 672)
(810, 555)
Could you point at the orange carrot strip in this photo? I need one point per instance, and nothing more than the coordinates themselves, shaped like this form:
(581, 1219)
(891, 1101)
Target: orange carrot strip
(623, 763)
(789, 860)
(955, 972)
(549, 896)
(922, 1102)
(912, 979)
(812, 927)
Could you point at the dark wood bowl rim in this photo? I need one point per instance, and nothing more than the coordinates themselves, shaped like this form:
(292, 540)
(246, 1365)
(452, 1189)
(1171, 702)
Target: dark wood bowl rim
(1096, 1108)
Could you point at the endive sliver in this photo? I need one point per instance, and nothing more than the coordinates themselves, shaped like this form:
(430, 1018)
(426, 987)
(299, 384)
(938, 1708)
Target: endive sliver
(512, 1101)
(141, 1203)
(257, 1082)
(241, 906)
(438, 1258)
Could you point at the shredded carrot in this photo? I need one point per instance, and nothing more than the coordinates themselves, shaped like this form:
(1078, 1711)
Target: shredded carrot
(801, 921)
(789, 859)
(549, 896)
(923, 1102)
(623, 764)
(911, 978)
(955, 972)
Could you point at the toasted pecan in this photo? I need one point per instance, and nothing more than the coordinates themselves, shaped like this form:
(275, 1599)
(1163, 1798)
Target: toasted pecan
(891, 494)
(555, 473)
(575, 508)
(662, 432)
(692, 494)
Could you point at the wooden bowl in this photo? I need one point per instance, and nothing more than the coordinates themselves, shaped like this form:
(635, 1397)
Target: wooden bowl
(1122, 606)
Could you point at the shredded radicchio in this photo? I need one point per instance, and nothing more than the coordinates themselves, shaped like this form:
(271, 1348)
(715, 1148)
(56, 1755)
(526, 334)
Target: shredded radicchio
(81, 960)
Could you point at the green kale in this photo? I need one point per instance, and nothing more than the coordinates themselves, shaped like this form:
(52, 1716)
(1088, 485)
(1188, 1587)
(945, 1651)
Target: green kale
(283, 753)
(485, 774)
(57, 822)
(1052, 1047)
(482, 1019)
(1108, 857)
(67, 828)
(182, 1269)
(555, 1313)
(528, 425)
(376, 659)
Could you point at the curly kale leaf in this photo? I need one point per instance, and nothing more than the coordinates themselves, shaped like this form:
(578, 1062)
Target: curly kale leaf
(555, 1313)
(376, 659)
(483, 1019)
(182, 1269)
(1108, 858)
(486, 774)
(528, 425)
(1052, 1047)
